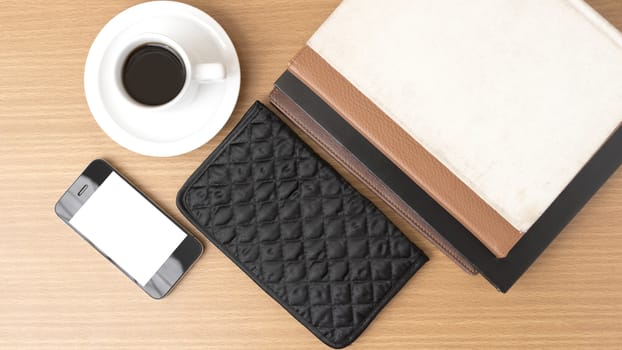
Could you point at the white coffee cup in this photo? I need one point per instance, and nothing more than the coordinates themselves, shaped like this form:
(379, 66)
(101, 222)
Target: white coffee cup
(189, 113)
(196, 72)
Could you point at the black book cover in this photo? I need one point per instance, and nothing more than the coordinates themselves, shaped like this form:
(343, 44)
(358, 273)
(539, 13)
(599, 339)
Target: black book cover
(502, 273)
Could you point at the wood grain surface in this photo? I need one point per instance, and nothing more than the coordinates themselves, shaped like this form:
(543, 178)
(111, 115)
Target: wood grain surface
(56, 292)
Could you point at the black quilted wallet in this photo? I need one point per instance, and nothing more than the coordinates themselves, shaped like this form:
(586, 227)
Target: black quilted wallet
(298, 229)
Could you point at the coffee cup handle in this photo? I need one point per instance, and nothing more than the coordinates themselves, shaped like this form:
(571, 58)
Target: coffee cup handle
(207, 72)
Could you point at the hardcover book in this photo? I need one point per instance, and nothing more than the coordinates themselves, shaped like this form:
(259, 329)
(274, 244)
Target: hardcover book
(486, 124)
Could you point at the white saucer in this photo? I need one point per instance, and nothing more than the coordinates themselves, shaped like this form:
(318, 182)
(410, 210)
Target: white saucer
(154, 131)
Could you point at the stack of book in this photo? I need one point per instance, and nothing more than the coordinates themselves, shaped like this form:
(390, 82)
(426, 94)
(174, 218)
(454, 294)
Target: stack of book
(485, 124)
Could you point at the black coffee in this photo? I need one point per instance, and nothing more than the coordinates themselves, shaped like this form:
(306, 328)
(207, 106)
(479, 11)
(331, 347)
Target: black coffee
(153, 74)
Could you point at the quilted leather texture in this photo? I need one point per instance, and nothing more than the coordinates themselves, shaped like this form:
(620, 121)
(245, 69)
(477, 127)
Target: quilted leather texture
(307, 237)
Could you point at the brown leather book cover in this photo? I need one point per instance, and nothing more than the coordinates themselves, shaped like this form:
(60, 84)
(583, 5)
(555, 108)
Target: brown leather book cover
(367, 118)
(341, 154)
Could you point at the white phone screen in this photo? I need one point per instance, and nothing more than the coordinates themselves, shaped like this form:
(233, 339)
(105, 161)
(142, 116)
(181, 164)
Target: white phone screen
(127, 228)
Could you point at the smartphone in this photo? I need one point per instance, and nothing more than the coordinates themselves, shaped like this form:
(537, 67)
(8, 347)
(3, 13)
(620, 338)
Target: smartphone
(128, 229)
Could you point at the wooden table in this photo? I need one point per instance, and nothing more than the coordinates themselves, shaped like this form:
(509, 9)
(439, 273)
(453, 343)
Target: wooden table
(58, 293)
